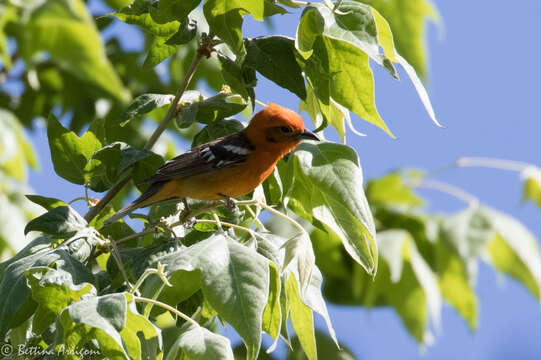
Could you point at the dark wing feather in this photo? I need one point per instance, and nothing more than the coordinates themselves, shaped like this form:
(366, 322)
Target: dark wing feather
(220, 153)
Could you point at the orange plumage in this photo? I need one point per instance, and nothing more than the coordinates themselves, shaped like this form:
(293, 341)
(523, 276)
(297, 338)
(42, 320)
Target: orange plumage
(227, 167)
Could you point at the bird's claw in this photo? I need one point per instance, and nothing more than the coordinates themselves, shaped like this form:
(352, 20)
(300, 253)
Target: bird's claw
(230, 203)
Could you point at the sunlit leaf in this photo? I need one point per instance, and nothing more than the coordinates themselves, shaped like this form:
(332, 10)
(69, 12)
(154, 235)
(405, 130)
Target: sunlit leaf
(323, 186)
(66, 30)
(70, 153)
(225, 19)
(53, 290)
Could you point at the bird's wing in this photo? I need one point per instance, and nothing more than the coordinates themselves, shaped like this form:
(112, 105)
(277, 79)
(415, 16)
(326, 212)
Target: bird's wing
(220, 153)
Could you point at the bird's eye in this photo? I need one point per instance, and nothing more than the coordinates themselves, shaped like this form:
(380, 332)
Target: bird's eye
(285, 129)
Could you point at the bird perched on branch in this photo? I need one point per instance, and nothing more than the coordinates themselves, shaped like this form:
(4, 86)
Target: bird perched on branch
(228, 167)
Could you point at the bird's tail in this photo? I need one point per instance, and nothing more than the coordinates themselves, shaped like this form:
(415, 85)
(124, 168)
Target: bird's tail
(144, 200)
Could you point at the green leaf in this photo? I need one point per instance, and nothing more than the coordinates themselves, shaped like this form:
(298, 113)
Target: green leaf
(514, 251)
(272, 316)
(407, 19)
(272, 9)
(217, 129)
(313, 298)
(171, 10)
(53, 290)
(70, 153)
(66, 30)
(17, 306)
(198, 343)
(454, 282)
(112, 322)
(140, 13)
(46, 202)
(323, 186)
(301, 318)
(160, 49)
(413, 290)
(225, 19)
(270, 55)
(117, 4)
(532, 185)
(331, 69)
(234, 280)
(15, 150)
(390, 190)
(233, 76)
(214, 108)
(186, 32)
(61, 222)
(112, 160)
(353, 23)
(145, 168)
(298, 250)
(326, 349)
(143, 104)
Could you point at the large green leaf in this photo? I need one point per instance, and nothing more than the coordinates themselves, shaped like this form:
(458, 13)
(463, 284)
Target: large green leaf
(198, 343)
(225, 19)
(46, 202)
(17, 306)
(275, 57)
(117, 328)
(60, 222)
(341, 71)
(514, 250)
(70, 153)
(66, 30)
(53, 290)
(234, 280)
(324, 186)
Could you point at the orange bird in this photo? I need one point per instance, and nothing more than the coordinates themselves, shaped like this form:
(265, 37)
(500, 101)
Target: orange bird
(227, 167)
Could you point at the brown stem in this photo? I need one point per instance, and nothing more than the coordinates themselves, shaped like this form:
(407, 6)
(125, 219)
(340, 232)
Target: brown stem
(200, 53)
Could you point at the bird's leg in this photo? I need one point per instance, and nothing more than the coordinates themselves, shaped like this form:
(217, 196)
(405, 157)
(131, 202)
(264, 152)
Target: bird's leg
(186, 205)
(230, 203)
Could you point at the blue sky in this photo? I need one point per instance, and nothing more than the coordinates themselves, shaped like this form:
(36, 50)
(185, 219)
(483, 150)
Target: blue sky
(484, 82)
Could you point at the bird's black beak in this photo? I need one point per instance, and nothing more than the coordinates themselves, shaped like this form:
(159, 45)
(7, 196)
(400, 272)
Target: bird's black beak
(308, 135)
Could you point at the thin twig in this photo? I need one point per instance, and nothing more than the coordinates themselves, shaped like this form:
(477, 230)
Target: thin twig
(492, 163)
(153, 230)
(447, 189)
(160, 271)
(252, 233)
(274, 211)
(167, 307)
(173, 108)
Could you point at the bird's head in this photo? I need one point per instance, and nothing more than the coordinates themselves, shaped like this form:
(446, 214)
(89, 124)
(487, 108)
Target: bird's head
(278, 127)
